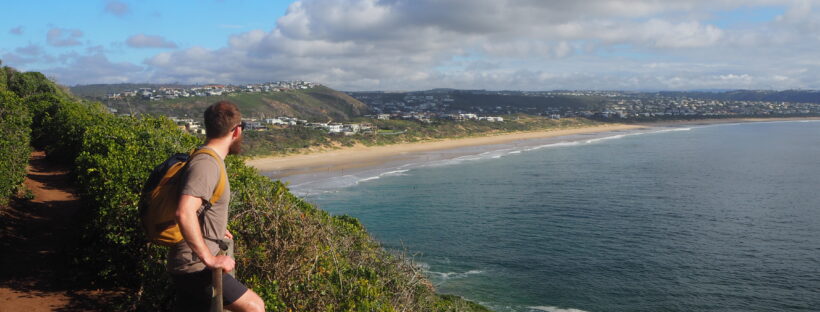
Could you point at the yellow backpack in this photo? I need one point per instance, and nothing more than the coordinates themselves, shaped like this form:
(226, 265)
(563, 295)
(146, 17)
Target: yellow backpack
(160, 197)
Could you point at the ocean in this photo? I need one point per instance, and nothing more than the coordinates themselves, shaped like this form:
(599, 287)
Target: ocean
(699, 218)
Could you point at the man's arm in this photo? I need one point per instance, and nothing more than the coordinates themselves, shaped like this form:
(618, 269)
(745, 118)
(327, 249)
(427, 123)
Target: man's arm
(192, 232)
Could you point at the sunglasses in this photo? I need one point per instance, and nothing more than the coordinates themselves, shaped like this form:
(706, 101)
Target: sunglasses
(241, 125)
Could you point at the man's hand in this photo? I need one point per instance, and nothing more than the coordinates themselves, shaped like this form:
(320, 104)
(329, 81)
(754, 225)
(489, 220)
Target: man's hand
(228, 234)
(226, 263)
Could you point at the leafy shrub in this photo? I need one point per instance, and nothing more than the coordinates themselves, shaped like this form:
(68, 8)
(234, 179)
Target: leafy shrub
(43, 108)
(117, 156)
(15, 129)
(67, 127)
(3, 79)
(29, 83)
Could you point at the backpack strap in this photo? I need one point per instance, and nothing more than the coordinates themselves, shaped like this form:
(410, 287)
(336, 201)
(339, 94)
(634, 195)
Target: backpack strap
(218, 191)
(223, 176)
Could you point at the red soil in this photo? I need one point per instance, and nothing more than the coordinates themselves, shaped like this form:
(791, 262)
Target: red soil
(36, 237)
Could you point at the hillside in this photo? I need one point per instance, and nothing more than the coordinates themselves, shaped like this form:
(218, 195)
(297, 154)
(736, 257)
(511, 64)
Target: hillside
(792, 96)
(533, 104)
(317, 104)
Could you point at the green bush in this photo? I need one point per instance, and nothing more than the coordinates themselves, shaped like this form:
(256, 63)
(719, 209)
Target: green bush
(117, 156)
(43, 108)
(3, 79)
(67, 126)
(15, 129)
(29, 83)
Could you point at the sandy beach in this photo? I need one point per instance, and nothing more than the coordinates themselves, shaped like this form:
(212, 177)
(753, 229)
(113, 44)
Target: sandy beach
(367, 156)
(370, 156)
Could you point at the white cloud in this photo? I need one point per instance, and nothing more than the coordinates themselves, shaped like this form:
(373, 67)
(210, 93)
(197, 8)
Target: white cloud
(506, 44)
(16, 30)
(96, 68)
(61, 37)
(117, 8)
(149, 41)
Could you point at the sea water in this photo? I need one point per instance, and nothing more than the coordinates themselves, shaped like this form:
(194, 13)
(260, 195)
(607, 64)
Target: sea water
(703, 218)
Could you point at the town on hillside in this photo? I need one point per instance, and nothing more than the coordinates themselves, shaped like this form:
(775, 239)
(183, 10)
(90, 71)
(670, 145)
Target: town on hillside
(555, 104)
(161, 93)
(490, 106)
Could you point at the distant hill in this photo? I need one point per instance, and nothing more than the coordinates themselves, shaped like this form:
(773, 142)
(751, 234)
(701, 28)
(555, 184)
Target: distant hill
(485, 102)
(793, 96)
(319, 103)
(467, 102)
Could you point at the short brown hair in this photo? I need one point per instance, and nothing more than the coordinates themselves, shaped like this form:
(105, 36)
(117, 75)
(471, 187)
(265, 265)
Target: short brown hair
(220, 118)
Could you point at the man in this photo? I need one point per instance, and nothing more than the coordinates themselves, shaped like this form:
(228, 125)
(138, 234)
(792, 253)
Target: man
(190, 262)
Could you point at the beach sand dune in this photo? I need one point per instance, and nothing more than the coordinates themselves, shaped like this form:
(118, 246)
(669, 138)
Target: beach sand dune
(370, 156)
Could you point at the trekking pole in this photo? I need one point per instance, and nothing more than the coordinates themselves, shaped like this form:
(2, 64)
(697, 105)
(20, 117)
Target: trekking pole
(216, 280)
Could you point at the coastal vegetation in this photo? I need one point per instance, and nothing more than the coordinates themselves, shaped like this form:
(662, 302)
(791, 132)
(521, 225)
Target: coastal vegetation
(296, 256)
(288, 140)
(15, 130)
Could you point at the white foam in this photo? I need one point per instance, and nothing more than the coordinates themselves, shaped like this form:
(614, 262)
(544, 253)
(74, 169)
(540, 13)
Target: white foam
(399, 172)
(395, 172)
(554, 309)
(422, 265)
(453, 275)
(559, 144)
(369, 179)
(338, 182)
(672, 130)
(619, 136)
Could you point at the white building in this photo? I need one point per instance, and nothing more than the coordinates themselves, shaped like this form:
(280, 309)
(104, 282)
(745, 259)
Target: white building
(492, 119)
(335, 128)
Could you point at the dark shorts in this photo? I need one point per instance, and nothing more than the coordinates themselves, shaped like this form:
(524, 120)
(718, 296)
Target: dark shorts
(193, 291)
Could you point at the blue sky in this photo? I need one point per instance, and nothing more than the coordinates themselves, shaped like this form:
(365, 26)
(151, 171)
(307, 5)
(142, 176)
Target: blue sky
(186, 23)
(420, 44)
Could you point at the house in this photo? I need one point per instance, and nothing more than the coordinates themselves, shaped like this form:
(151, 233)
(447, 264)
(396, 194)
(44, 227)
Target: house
(463, 117)
(275, 121)
(492, 119)
(253, 124)
(335, 128)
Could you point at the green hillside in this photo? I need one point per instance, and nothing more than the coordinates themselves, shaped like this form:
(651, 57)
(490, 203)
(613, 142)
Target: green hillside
(470, 102)
(295, 255)
(316, 104)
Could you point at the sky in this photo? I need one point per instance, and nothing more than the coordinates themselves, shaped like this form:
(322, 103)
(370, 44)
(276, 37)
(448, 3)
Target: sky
(401, 45)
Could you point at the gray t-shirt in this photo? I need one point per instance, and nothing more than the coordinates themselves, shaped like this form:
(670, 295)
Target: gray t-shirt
(199, 180)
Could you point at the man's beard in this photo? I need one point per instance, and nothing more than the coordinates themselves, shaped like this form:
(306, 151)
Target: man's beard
(236, 147)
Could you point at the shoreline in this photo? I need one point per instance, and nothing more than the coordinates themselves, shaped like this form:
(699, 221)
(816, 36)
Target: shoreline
(361, 156)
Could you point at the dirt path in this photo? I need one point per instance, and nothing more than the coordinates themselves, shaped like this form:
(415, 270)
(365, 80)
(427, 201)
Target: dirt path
(36, 237)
